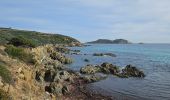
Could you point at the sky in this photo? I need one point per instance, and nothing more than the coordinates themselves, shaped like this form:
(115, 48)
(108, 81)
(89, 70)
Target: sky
(145, 21)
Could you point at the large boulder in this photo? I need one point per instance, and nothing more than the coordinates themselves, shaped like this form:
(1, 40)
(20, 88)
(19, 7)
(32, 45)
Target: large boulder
(108, 68)
(132, 71)
(89, 69)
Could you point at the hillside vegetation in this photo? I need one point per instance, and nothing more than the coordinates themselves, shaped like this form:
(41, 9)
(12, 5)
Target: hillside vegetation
(38, 38)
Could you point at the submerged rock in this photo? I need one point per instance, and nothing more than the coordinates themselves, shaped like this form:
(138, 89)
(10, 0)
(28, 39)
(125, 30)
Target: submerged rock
(86, 60)
(110, 54)
(75, 50)
(98, 54)
(104, 54)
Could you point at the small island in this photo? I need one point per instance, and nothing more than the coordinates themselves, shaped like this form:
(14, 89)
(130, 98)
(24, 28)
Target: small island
(107, 41)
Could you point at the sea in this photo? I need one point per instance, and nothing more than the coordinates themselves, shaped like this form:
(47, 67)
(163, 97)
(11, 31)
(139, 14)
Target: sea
(153, 59)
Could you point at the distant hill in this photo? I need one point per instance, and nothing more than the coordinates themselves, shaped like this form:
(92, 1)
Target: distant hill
(106, 41)
(39, 38)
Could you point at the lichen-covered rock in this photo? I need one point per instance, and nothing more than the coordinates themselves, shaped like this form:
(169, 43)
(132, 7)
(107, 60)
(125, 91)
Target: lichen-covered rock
(108, 68)
(63, 59)
(89, 69)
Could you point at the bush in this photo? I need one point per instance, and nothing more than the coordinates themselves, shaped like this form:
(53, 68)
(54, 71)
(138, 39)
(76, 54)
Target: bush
(19, 53)
(5, 74)
(21, 41)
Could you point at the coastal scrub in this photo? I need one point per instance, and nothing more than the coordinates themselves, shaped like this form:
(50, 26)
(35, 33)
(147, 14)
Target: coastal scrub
(19, 53)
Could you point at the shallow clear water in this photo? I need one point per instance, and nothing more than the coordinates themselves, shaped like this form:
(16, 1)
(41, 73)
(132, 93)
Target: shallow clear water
(153, 59)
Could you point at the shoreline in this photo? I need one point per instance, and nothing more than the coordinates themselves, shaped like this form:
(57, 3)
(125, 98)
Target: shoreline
(51, 78)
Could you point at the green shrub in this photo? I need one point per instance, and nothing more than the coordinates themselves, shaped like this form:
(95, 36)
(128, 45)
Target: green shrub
(21, 41)
(5, 74)
(19, 53)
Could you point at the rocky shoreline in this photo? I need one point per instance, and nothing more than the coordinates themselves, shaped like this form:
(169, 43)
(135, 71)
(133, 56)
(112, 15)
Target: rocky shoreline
(50, 78)
(61, 82)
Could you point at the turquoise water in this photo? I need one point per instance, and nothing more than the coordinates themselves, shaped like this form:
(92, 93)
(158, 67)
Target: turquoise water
(153, 59)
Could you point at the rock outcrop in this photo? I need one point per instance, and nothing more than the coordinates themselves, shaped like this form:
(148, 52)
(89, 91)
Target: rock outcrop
(132, 71)
(107, 68)
(89, 69)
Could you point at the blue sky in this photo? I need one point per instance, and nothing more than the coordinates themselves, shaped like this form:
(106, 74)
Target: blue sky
(135, 20)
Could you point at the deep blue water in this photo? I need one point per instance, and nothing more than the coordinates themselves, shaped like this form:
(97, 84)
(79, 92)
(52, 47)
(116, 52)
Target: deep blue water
(153, 59)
